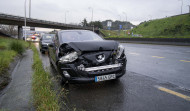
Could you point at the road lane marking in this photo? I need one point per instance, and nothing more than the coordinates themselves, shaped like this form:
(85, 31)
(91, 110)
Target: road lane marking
(174, 93)
(134, 53)
(184, 61)
(158, 57)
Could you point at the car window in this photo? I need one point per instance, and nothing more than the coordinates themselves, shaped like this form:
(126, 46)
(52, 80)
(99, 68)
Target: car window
(79, 36)
(48, 37)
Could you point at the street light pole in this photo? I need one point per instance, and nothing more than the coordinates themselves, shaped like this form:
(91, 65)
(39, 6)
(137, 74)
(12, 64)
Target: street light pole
(65, 16)
(181, 6)
(189, 8)
(29, 8)
(119, 17)
(126, 22)
(25, 20)
(92, 18)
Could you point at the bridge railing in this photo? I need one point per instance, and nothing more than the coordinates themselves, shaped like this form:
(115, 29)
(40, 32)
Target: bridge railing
(34, 20)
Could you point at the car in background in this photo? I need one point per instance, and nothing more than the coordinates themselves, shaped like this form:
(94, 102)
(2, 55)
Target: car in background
(44, 41)
(82, 56)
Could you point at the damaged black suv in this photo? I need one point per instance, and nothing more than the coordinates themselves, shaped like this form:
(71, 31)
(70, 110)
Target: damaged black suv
(82, 56)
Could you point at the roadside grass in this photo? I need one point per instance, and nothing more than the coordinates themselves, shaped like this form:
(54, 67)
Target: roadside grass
(17, 46)
(45, 98)
(115, 34)
(6, 56)
(169, 27)
(7, 52)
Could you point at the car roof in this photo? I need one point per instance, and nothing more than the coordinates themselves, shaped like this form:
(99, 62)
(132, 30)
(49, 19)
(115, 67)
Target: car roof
(74, 31)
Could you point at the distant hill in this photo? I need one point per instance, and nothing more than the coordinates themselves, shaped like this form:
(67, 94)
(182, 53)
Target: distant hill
(115, 25)
(175, 26)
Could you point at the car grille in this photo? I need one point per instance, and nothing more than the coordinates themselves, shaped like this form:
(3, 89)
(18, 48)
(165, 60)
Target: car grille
(102, 68)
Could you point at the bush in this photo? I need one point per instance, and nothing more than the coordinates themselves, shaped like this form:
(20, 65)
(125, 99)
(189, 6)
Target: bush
(17, 46)
(6, 56)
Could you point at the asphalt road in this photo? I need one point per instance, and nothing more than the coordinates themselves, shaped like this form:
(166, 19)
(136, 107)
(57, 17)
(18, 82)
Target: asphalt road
(164, 62)
(157, 79)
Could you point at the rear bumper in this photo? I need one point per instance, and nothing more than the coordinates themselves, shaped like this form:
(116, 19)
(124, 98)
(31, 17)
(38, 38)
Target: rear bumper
(44, 48)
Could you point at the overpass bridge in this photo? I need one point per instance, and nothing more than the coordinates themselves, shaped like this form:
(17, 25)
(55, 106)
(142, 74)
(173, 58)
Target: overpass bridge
(19, 21)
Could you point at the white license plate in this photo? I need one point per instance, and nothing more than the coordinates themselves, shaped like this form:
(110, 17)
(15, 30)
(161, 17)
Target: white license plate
(105, 77)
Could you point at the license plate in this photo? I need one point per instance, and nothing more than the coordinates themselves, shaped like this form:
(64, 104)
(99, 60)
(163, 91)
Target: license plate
(105, 77)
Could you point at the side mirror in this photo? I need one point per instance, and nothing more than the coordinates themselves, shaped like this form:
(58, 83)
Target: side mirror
(51, 45)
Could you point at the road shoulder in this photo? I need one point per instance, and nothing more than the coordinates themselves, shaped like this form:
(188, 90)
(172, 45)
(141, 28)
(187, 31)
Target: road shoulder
(17, 95)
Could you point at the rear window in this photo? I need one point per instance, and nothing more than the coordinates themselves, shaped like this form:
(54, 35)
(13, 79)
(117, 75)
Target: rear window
(48, 37)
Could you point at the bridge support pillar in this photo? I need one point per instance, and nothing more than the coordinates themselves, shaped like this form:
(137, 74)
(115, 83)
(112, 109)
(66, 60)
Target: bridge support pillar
(20, 32)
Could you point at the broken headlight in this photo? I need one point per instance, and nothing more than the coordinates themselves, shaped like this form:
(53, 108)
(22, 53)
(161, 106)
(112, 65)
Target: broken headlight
(120, 50)
(69, 57)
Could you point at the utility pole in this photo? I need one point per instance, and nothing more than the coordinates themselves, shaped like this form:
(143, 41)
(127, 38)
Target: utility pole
(181, 6)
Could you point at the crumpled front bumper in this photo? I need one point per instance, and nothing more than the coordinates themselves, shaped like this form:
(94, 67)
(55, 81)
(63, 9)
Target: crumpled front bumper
(88, 74)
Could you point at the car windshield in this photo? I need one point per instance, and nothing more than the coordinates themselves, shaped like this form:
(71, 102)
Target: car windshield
(48, 37)
(79, 36)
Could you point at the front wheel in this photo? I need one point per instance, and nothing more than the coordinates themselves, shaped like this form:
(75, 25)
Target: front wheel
(64, 82)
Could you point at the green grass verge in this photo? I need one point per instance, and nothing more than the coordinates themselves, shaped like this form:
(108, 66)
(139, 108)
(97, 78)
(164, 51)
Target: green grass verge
(45, 98)
(170, 27)
(7, 51)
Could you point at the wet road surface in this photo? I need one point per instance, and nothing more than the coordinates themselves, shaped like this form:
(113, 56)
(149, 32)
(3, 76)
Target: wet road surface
(163, 62)
(156, 80)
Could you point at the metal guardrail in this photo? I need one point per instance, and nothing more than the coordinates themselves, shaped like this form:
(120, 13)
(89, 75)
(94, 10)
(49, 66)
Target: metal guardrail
(38, 21)
(161, 41)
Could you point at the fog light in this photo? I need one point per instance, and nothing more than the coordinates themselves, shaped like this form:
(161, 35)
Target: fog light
(81, 67)
(116, 62)
(66, 74)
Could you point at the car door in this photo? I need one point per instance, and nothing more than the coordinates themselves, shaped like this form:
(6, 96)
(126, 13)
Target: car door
(40, 43)
(54, 49)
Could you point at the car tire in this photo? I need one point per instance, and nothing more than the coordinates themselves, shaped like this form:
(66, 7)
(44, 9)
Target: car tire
(64, 82)
(43, 52)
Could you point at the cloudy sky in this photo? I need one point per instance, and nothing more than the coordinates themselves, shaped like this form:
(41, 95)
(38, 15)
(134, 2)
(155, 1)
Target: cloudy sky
(76, 10)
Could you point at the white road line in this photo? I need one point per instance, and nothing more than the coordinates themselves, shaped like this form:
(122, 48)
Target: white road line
(158, 57)
(133, 53)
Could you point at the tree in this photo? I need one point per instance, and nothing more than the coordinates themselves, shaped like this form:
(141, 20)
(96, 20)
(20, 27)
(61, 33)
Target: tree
(96, 24)
(84, 23)
(9, 29)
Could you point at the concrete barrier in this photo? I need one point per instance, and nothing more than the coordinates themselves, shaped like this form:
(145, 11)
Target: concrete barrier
(162, 41)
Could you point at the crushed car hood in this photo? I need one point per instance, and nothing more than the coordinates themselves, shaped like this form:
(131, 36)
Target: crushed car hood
(105, 45)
